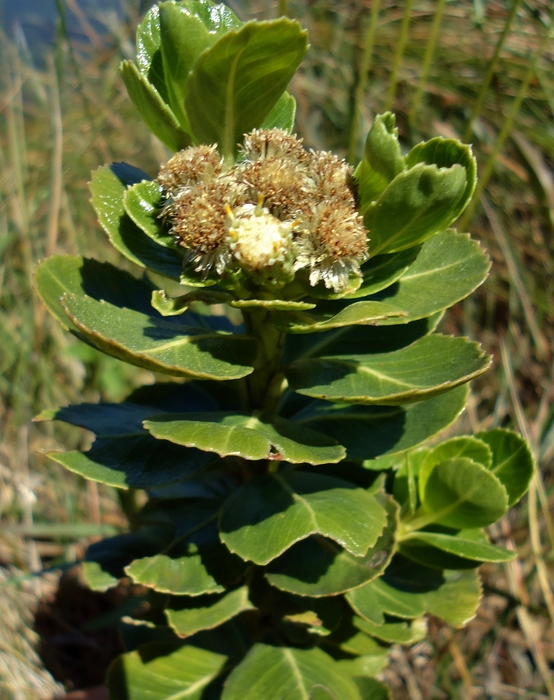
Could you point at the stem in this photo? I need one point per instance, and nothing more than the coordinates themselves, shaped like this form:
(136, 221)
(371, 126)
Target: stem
(399, 54)
(362, 80)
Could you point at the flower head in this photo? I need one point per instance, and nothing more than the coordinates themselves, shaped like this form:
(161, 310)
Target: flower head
(278, 210)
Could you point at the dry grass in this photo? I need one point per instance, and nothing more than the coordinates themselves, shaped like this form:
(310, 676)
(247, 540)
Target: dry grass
(59, 122)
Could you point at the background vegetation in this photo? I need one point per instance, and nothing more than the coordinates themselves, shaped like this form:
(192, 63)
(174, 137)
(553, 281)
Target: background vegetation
(481, 71)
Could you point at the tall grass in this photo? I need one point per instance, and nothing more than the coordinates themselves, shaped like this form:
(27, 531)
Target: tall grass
(441, 71)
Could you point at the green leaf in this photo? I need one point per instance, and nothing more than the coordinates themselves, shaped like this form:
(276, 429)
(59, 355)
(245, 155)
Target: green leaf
(157, 116)
(186, 30)
(282, 115)
(329, 316)
(108, 187)
(272, 304)
(377, 597)
(276, 673)
(318, 567)
(269, 514)
(446, 153)
(158, 671)
(448, 268)
(512, 461)
(460, 493)
(158, 344)
(382, 160)
(61, 274)
(365, 667)
(368, 432)
(462, 545)
(464, 446)
(416, 205)
(247, 436)
(149, 55)
(143, 203)
(394, 632)
(382, 271)
(124, 454)
(430, 366)
(204, 613)
(235, 84)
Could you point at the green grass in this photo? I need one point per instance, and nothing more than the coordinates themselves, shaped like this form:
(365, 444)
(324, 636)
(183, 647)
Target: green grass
(60, 122)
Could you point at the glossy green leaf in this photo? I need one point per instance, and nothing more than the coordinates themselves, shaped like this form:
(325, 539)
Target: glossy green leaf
(124, 454)
(204, 613)
(156, 114)
(446, 153)
(450, 595)
(394, 632)
(160, 672)
(269, 514)
(382, 160)
(377, 597)
(460, 493)
(416, 205)
(186, 30)
(319, 567)
(282, 115)
(368, 432)
(235, 84)
(149, 55)
(331, 316)
(62, 274)
(246, 435)
(143, 203)
(276, 673)
(108, 187)
(430, 366)
(464, 446)
(382, 271)
(447, 269)
(465, 546)
(512, 461)
(157, 344)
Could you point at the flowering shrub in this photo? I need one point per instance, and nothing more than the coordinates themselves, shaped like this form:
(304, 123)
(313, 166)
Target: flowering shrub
(298, 519)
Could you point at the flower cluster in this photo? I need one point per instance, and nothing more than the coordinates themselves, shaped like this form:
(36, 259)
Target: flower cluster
(278, 210)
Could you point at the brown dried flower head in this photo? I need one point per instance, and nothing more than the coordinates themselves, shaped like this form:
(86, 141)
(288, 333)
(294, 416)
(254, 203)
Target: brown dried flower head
(278, 210)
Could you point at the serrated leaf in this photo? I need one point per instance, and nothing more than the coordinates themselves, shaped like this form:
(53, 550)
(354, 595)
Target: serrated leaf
(415, 206)
(158, 344)
(282, 115)
(158, 671)
(430, 366)
(447, 269)
(246, 435)
(462, 545)
(149, 55)
(156, 114)
(382, 160)
(235, 84)
(318, 567)
(368, 432)
(204, 613)
(512, 461)
(269, 514)
(124, 454)
(394, 632)
(460, 493)
(382, 271)
(108, 186)
(186, 30)
(329, 316)
(275, 673)
(464, 446)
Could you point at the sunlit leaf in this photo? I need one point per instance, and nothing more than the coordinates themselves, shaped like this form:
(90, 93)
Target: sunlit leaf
(204, 612)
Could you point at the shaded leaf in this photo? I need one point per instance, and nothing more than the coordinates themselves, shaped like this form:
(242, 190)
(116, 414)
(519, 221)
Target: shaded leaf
(269, 514)
(319, 567)
(275, 673)
(377, 597)
(205, 613)
(329, 316)
(430, 366)
(158, 344)
(158, 671)
(108, 186)
(143, 204)
(381, 271)
(235, 84)
(282, 115)
(246, 435)
(368, 432)
(394, 632)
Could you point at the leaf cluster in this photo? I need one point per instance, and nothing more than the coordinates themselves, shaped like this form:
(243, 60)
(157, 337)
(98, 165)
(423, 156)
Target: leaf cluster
(295, 527)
